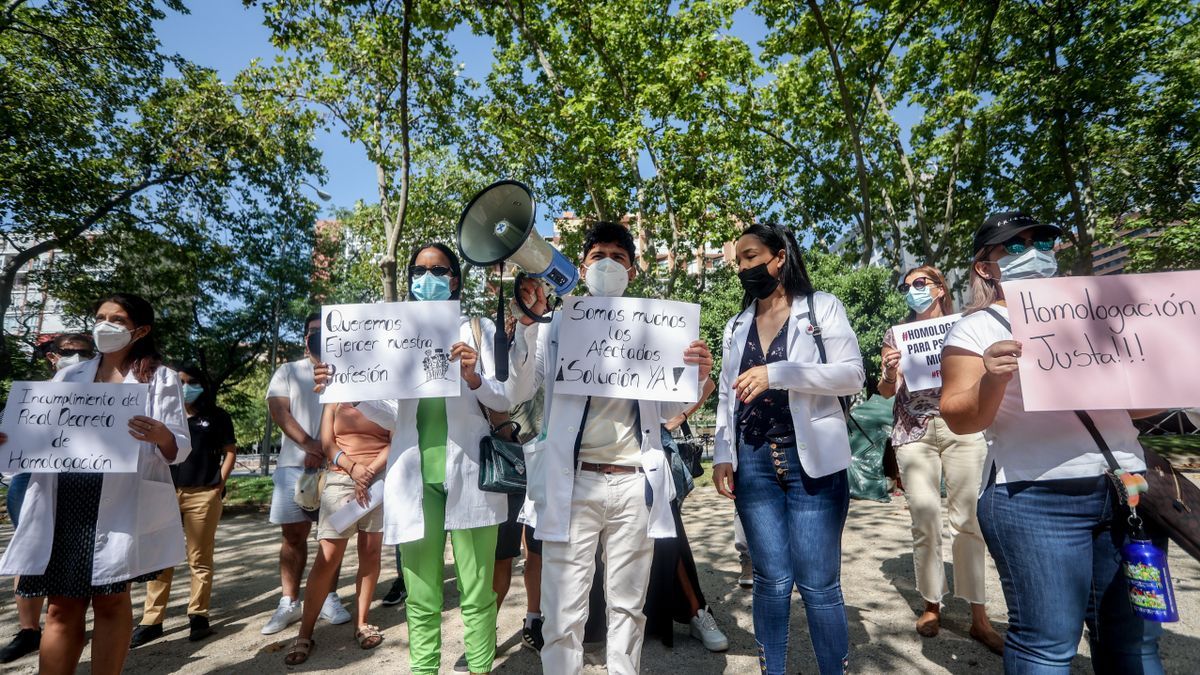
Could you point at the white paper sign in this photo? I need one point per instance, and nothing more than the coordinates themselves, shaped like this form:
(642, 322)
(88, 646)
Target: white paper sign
(627, 348)
(920, 345)
(71, 427)
(390, 350)
(351, 511)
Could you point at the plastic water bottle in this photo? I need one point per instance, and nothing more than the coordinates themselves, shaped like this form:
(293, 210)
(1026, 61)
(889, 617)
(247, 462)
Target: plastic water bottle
(1150, 589)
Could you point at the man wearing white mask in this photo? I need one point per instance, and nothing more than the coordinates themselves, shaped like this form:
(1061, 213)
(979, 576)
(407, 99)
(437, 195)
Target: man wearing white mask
(598, 474)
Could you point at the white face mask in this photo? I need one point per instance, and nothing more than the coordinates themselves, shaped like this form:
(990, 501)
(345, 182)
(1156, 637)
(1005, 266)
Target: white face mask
(606, 278)
(67, 361)
(110, 337)
(1031, 264)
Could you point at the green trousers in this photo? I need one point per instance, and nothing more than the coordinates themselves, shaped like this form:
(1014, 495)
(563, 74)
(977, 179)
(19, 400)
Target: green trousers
(424, 565)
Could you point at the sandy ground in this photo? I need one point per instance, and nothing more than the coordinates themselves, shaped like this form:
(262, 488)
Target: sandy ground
(877, 577)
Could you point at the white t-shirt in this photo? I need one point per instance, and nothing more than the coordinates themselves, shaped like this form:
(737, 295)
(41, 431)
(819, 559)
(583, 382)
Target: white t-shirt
(1031, 446)
(609, 436)
(294, 381)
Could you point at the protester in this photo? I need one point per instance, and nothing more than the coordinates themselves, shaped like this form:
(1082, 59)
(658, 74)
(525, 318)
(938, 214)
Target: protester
(357, 450)
(199, 485)
(109, 528)
(674, 593)
(64, 351)
(432, 484)
(1048, 513)
(601, 476)
(928, 453)
(782, 445)
(296, 410)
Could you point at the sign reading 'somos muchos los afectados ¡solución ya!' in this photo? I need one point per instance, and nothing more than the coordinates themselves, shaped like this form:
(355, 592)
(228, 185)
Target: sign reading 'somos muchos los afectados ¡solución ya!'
(627, 348)
(71, 427)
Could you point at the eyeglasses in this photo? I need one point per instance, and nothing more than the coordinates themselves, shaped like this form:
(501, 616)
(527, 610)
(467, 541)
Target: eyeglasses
(1041, 241)
(919, 283)
(436, 270)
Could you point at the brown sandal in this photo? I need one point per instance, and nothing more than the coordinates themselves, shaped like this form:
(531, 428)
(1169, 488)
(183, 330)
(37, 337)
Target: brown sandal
(299, 651)
(368, 636)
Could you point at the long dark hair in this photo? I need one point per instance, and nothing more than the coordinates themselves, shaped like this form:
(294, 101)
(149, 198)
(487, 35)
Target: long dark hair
(455, 267)
(144, 357)
(207, 400)
(794, 275)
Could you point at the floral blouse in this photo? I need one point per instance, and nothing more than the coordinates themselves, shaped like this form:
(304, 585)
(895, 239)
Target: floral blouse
(911, 411)
(769, 414)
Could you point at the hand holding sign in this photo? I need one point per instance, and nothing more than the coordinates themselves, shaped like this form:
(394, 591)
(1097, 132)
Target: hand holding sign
(1001, 359)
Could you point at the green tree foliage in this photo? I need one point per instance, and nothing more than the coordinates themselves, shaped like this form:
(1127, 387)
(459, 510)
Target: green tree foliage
(1174, 247)
(383, 74)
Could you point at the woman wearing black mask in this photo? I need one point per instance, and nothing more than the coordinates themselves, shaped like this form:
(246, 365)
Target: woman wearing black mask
(781, 442)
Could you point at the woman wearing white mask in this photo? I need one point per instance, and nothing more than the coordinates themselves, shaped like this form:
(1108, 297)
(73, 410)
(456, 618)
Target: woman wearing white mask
(199, 485)
(431, 483)
(84, 537)
(1047, 511)
(928, 452)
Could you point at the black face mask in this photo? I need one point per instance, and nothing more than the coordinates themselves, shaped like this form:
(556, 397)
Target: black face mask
(313, 341)
(758, 282)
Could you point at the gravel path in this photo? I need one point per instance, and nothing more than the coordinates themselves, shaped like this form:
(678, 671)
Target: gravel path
(877, 579)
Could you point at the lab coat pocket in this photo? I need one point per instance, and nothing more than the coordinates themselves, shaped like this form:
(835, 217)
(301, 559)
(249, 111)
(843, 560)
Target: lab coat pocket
(535, 471)
(158, 507)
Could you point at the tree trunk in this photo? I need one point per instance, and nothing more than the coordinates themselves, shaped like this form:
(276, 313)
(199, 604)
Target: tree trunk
(860, 164)
(395, 226)
(645, 235)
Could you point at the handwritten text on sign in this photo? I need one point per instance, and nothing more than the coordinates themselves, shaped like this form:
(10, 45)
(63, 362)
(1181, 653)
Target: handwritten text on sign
(920, 345)
(71, 427)
(390, 350)
(627, 348)
(1115, 342)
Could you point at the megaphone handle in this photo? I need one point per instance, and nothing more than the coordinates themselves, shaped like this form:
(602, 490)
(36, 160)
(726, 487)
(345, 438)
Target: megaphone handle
(500, 339)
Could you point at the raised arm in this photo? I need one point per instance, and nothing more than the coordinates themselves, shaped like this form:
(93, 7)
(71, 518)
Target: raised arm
(973, 385)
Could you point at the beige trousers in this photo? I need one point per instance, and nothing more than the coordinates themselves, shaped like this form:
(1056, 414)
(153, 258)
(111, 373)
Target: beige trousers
(201, 511)
(923, 463)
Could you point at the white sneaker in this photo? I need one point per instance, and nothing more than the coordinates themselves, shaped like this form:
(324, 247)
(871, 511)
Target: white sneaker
(333, 612)
(289, 612)
(704, 629)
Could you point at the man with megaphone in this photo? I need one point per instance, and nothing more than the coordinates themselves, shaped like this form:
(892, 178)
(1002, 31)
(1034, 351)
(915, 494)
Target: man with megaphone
(597, 473)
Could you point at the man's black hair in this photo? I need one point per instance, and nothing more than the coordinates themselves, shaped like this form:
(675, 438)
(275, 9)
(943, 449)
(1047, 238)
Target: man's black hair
(794, 275)
(315, 316)
(605, 232)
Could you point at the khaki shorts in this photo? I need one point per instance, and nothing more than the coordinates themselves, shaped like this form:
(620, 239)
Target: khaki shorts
(338, 491)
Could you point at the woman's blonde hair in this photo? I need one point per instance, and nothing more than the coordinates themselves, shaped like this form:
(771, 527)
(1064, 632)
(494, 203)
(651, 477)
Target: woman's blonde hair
(945, 302)
(984, 292)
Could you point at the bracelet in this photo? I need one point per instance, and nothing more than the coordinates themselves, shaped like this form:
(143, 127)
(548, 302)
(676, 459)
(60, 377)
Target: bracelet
(883, 378)
(337, 457)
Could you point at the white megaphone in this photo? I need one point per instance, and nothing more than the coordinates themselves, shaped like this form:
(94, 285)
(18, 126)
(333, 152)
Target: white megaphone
(498, 226)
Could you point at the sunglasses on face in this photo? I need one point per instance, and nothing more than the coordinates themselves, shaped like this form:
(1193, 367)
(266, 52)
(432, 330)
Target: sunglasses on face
(436, 270)
(920, 283)
(75, 352)
(1042, 241)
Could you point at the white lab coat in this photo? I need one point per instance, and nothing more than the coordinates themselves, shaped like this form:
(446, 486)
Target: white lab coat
(466, 505)
(138, 528)
(550, 459)
(813, 387)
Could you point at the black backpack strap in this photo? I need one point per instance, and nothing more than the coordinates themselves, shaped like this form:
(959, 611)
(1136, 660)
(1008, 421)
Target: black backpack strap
(843, 401)
(996, 315)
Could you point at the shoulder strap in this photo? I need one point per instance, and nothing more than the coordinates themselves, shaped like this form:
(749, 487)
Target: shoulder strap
(843, 401)
(996, 315)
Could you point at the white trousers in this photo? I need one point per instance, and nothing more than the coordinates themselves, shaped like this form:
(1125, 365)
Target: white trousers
(609, 509)
(923, 463)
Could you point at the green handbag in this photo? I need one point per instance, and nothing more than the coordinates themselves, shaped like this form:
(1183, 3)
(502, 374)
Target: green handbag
(501, 460)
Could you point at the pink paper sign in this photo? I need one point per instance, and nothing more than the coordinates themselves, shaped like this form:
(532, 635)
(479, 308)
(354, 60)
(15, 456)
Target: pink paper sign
(1128, 341)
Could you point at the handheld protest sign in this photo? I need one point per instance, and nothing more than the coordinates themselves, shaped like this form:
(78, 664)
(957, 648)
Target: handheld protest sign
(389, 350)
(920, 346)
(627, 348)
(71, 427)
(1115, 342)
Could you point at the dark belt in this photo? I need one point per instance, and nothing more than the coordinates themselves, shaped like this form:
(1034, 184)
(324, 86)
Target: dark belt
(609, 468)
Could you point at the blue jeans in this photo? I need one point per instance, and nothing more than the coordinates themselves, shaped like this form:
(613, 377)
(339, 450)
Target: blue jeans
(16, 496)
(793, 526)
(1057, 547)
